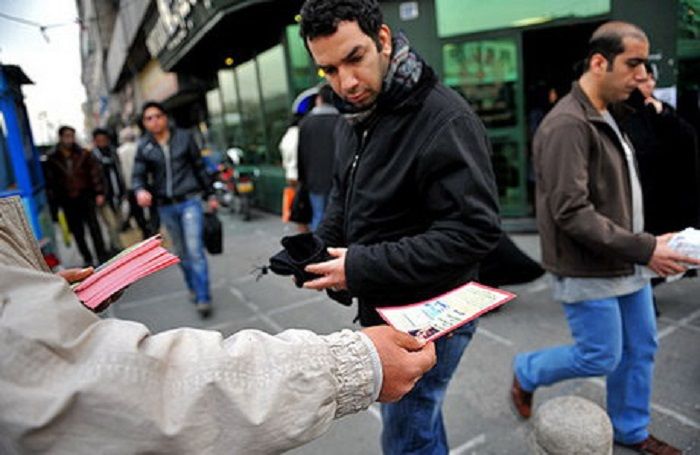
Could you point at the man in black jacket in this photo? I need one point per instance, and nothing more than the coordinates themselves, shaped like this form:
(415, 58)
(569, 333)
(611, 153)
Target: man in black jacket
(106, 155)
(316, 152)
(172, 161)
(413, 206)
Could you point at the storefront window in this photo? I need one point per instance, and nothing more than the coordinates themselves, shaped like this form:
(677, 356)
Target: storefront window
(230, 109)
(273, 78)
(302, 69)
(459, 17)
(254, 143)
(485, 73)
(216, 135)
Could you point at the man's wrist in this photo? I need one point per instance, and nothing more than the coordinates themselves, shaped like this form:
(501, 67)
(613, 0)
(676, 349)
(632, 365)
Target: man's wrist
(376, 365)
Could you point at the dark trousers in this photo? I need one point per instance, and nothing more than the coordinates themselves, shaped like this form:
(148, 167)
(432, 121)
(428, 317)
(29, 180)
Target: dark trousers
(80, 211)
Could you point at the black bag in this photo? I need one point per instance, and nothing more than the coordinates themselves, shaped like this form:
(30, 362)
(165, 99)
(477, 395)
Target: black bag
(299, 251)
(507, 265)
(212, 233)
(301, 206)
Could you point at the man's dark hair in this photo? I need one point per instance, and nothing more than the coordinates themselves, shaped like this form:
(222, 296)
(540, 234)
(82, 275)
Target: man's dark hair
(325, 92)
(64, 128)
(607, 40)
(149, 104)
(321, 17)
(99, 131)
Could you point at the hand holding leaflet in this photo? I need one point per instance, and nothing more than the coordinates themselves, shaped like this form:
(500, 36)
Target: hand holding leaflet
(438, 316)
(129, 266)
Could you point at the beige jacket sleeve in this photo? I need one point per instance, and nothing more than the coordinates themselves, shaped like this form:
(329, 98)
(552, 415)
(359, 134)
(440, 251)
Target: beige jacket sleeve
(74, 383)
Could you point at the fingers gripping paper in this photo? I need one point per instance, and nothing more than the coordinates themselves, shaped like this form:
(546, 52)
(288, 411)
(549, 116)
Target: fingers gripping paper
(129, 266)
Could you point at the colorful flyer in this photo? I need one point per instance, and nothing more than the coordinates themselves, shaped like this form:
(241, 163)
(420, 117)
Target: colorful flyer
(438, 316)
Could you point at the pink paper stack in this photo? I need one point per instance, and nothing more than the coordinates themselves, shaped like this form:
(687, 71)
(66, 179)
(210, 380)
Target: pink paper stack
(129, 266)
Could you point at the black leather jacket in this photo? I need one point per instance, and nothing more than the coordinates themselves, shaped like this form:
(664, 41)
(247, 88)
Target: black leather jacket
(175, 178)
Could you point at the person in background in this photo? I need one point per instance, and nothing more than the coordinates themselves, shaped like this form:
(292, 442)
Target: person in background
(170, 158)
(73, 381)
(591, 224)
(74, 183)
(316, 152)
(414, 205)
(288, 148)
(110, 211)
(666, 148)
(127, 154)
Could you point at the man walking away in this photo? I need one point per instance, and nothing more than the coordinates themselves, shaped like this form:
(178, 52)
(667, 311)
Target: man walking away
(413, 207)
(591, 221)
(317, 152)
(171, 159)
(74, 183)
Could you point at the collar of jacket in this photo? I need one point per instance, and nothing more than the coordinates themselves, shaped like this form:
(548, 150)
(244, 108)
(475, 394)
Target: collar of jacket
(617, 110)
(149, 138)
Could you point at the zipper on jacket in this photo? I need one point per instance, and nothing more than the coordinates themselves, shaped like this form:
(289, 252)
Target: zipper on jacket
(351, 179)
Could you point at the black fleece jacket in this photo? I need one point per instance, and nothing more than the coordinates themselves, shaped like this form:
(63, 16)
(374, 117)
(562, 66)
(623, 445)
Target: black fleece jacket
(414, 199)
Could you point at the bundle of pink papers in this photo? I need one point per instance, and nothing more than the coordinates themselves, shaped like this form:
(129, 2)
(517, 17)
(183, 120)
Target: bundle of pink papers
(129, 266)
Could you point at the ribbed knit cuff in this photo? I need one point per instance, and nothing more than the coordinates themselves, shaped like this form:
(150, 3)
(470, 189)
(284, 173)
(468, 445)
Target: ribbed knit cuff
(354, 370)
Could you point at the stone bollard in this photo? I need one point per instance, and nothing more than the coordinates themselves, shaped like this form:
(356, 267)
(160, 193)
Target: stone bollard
(571, 425)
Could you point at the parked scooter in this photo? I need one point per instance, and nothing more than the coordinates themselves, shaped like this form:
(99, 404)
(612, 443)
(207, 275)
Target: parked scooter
(235, 184)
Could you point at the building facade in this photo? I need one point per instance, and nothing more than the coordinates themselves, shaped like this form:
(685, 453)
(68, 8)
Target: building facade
(232, 68)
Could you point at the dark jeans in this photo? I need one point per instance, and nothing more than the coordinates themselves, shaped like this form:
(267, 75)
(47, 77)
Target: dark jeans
(80, 211)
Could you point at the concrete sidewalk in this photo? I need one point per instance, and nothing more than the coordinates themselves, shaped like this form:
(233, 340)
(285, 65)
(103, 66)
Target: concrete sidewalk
(476, 411)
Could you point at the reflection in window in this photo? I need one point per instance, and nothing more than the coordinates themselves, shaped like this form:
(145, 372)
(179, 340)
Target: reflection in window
(251, 112)
(216, 135)
(230, 110)
(302, 69)
(485, 73)
(273, 78)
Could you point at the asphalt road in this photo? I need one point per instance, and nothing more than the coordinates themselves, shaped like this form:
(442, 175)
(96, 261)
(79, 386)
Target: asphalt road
(477, 415)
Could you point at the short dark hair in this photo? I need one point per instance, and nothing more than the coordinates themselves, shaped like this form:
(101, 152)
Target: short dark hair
(607, 40)
(325, 92)
(62, 129)
(100, 131)
(321, 17)
(149, 104)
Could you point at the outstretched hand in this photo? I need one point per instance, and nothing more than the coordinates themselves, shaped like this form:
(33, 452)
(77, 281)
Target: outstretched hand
(404, 360)
(76, 275)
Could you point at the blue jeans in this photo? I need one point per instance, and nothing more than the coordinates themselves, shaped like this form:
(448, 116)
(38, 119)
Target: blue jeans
(614, 337)
(184, 222)
(318, 207)
(414, 425)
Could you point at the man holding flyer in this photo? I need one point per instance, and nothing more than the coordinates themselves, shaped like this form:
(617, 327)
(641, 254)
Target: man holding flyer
(413, 206)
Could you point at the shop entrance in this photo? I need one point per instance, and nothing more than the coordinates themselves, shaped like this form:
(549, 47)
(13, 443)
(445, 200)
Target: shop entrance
(552, 60)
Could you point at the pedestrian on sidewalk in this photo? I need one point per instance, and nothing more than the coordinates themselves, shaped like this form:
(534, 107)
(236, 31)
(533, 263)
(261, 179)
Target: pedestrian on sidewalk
(73, 381)
(127, 154)
(74, 183)
(317, 152)
(590, 217)
(113, 180)
(171, 160)
(414, 203)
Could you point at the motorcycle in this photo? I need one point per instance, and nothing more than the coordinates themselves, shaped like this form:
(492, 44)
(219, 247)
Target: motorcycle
(235, 183)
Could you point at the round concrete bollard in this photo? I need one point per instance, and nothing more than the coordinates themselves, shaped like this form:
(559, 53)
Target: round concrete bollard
(571, 425)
